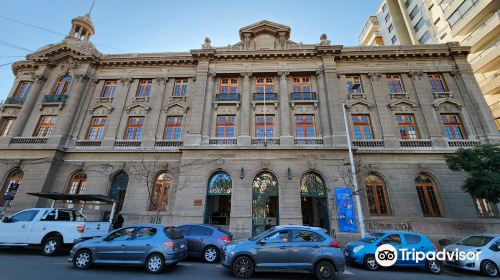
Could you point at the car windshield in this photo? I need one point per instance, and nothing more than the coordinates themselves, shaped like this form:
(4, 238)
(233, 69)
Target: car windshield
(260, 235)
(372, 237)
(475, 241)
(173, 233)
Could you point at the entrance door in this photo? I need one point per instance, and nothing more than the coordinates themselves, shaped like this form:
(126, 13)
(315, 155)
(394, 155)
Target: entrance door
(117, 192)
(218, 201)
(265, 202)
(314, 201)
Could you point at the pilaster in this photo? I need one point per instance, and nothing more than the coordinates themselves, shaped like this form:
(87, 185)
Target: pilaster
(286, 139)
(244, 137)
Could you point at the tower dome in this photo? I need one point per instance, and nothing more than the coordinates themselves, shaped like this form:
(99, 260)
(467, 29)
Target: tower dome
(82, 28)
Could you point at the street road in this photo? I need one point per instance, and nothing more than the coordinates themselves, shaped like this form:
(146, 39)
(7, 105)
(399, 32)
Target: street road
(28, 264)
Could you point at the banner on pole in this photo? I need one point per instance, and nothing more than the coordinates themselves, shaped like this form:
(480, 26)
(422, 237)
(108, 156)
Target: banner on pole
(345, 210)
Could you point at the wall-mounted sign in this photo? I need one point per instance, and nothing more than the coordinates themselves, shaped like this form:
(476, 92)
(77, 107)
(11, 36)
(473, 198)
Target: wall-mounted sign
(198, 202)
(13, 186)
(345, 210)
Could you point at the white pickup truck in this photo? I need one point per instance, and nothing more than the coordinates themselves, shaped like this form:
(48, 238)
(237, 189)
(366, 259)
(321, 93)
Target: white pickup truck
(52, 228)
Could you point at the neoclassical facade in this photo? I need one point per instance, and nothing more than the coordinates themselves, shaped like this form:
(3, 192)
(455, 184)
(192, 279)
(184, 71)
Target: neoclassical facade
(249, 133)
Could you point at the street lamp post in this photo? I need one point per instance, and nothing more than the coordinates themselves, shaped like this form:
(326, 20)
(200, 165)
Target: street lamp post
(354, 179)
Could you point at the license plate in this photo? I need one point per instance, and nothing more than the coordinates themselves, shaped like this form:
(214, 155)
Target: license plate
(182, 246)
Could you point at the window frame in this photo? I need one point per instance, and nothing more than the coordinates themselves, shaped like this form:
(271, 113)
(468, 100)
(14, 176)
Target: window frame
(376, 193)
(450, 126)
(231, 86)
(429, 195)
(354, 80)
(108, 88)
(265, 125)
(303, 125)
(485, 208)
(144, 88)
(99, 128)
(65, 81)
(174, 126)
(226, 125)
(49, 126)
(23, 89)
(180, 87)
(7, 124)
(405, 125)
(362, 125)
(136, 128)
(437, 82)
(301, 83)
(395, 83)
(161, 187)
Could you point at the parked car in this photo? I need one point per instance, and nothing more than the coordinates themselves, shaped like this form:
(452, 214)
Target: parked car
(153, 246)
(285, 249)
(52, 228)
(489, 259)
(363, 250)
(205, 241)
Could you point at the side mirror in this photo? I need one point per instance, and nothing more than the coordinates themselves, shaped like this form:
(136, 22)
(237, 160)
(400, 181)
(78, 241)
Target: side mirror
(262, 242)
(6, 220)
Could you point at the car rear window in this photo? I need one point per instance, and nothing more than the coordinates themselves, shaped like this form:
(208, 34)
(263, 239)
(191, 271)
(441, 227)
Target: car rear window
(475, 241)
(223, 230)
(173, 233)
(412, 239)
(372, 237)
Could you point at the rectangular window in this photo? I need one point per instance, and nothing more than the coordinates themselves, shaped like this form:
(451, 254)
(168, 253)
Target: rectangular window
(425, 38)
(45, 126)
(264, 126)
(96, 128)
(144, 88)
(408, 3)
(173, 128)
(407, 126)
(134, 128)
(7, 123)
(395, 84)
(485, 208)
(394, 39)
(23, 89)
(225, 126)
(414, 12)
(265, 85)
(304, 126)
(390, 28)
(354, 84)
(387, 17)
(362, 127)
(384, 8)
(180, 87)
(108, 90)
(452, 126)
(461, 11)
(437, 83)
(301, 84)
(228, 86)
(419, 25)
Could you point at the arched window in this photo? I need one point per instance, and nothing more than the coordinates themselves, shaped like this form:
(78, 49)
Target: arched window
(314, 203)
(159, 194)
(10, 187)
(218, 202)
(62, 86)
(428, 196)
(77, 183)
(376, 194)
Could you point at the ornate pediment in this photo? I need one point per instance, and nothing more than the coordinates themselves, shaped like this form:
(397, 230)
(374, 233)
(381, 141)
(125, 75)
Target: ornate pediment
(403, 105)
(101, 109)
(447, 105)
(176, 108)
(69, 47)
(351, 103)
(265, 35)
(139, 108)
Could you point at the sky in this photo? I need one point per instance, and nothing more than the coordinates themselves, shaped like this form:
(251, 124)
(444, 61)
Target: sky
(127, 26)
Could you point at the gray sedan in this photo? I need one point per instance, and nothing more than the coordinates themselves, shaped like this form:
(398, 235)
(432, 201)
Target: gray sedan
(153, 246)
(285, 249)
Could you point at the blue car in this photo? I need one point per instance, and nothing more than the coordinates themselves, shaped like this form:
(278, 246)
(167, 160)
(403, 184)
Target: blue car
(363, 251)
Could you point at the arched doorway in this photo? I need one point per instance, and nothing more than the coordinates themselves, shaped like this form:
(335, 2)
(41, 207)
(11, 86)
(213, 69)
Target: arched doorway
(264, 201)
(117, 191)
(10, 187)
(313, 201)
(218, 202)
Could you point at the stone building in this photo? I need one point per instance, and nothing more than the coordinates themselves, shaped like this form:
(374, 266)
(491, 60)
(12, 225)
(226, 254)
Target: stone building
(251, 132)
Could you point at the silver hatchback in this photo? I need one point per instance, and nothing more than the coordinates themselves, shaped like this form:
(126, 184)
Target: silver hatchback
(153, 246)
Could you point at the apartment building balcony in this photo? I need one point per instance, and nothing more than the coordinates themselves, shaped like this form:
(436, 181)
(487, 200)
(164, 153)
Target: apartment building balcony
(304, 98)
(416, 144)
(488, 31)
(486, 60)
(88, 143)
(473, 16)
(223, 141)
(28, 140)
(127, 143)
(259, 141)
(269, 98)
(463, 143)
(308, 141)
(168, 143)
(369, 30)
(368, 144)
(15, 101)
(445, 94)
(491, 85)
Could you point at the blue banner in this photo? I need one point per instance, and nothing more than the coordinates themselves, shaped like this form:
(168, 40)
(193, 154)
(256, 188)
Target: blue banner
(14, 186)
(345, 210)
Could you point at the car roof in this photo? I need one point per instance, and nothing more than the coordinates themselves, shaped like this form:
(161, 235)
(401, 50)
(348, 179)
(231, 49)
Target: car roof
(203, 225)
(298, 227)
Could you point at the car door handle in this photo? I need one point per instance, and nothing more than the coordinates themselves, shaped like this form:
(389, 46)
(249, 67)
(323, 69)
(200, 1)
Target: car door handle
(283, 247)
(148, 245)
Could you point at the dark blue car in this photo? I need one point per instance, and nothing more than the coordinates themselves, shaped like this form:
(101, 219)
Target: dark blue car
(205, 241)
(362, 251)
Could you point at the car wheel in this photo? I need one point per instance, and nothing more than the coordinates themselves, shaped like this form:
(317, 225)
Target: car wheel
(243, 267)
(210, 254)
(370, 262)
(489, 268)
(155, 263)
(434, 266)
(51, 246)
(325, 271)
(82, 259)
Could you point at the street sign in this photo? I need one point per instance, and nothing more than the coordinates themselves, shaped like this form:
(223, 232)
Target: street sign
(13, 186)
(345, 210)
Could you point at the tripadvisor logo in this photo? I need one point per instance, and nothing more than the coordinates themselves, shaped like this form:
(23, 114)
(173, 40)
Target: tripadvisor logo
(386, 255)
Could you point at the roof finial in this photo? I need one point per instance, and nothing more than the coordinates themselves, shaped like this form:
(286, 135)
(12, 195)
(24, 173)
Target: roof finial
(91, 7)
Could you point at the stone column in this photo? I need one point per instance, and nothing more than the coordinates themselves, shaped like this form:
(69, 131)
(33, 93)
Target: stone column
(193, 133)
(335, 100)
(286, 139)
(65, 119)
(158, 90)
(114, 118)
(425, 98)
(323, 108)
(29, 103)
(244, 138)
(208, 111)
(381, 93)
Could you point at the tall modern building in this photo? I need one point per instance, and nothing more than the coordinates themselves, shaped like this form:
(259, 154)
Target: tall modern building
(473, 23)
(251, 132)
